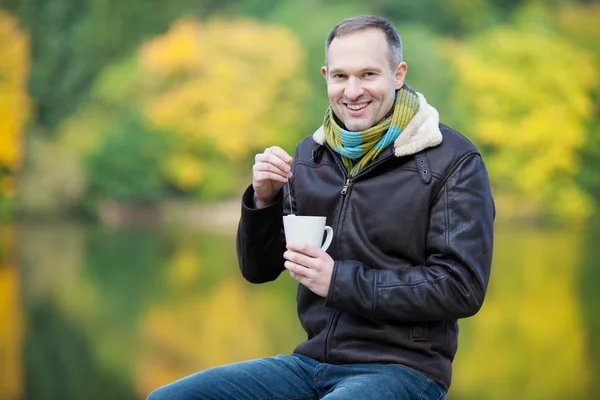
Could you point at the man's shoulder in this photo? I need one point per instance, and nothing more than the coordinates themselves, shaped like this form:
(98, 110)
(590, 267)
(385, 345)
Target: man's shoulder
(454, 149)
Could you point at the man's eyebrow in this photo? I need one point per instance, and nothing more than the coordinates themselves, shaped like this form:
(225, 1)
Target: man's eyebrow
(335, 71)
(367, 69)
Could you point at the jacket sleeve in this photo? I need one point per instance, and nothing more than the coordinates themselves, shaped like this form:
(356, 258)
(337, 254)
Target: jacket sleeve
(260, 242)
(454, 280)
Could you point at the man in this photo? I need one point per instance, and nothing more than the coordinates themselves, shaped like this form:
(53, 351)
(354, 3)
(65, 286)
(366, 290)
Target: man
(412, 214)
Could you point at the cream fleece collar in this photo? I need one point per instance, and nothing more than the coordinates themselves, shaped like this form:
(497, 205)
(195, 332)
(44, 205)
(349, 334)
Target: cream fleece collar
(421, 132)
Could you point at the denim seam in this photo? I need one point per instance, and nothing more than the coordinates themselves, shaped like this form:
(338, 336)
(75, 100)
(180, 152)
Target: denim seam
(325, 371)
(425, 388)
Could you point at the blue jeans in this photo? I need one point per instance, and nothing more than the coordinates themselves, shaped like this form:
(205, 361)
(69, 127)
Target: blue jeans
(298, 377)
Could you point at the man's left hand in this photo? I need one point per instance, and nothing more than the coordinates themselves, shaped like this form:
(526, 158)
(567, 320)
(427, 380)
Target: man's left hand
(310, 266)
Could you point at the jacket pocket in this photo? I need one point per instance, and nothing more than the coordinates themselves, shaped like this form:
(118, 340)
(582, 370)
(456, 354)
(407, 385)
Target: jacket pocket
(418, 332)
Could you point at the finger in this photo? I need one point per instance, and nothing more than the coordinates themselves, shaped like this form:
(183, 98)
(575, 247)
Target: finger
(300, 259)
(277, 161)
(268, 167)
(260, 177)
(297, 277)
(279, 152)
(298, 269)
(305, 249)
(272, 163)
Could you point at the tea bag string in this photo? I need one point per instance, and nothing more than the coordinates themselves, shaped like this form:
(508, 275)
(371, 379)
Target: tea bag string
(290, 196)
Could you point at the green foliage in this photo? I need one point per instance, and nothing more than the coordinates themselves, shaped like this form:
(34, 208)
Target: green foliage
(187, 82)
(579, 22)
(73, 40)
(589, 176)
(428, 71)
(126, 166)
(221, 179)
(454, 17)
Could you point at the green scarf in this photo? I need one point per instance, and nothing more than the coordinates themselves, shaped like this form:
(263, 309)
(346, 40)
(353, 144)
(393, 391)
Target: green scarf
(359, 148)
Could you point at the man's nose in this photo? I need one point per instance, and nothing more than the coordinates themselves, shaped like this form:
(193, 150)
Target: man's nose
(353, 89)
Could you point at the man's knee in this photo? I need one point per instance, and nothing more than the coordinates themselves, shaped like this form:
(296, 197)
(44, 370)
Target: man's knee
(157, 394)
(164, 393)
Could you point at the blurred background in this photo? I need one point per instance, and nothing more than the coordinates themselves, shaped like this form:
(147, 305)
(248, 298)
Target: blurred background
(127, 134)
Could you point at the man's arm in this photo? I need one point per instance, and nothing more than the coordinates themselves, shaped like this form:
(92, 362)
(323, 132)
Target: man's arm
(260, 244)
(260, 241)
(453, 283)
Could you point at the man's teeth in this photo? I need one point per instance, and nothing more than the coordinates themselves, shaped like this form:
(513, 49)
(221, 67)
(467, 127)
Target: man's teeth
(356, 107)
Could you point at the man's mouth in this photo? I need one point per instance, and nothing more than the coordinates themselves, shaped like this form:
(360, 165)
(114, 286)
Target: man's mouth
(356, 107)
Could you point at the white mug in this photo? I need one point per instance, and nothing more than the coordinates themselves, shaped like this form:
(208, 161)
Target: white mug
(307, 229)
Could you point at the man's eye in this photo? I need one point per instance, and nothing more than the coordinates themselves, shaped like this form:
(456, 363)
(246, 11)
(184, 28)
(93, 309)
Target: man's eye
(369, 74)
(338, 76)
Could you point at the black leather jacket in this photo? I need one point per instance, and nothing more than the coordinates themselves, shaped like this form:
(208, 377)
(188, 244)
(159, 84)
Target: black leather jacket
(413, 237)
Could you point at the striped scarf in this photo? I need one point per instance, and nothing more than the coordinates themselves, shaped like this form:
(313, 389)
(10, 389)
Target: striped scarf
(359, 148)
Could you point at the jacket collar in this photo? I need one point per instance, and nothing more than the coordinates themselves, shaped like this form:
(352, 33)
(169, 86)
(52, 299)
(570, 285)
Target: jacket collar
(422, 132)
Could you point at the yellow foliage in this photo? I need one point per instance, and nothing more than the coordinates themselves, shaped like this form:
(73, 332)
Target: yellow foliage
(528, 340)
(14, 102)
(230, 87)
(528, 97)
(11, 380)
(184, 169)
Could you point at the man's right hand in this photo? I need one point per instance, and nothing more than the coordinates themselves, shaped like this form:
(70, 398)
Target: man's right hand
(270, 172)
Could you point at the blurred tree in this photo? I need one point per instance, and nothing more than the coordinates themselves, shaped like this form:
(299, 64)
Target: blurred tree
(528, 116)
(227, 88)
(453, 17)
(312, 36)
(10, 6)
(73, 40)
(429, 71)
(182, 117)
(219, 91)
(14, 102)
(579, 22)
(126, 167)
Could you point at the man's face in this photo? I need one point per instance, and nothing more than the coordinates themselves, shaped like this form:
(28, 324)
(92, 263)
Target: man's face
(360, 80)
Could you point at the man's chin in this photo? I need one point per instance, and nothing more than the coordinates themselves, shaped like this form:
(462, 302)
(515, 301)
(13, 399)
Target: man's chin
(356, 127)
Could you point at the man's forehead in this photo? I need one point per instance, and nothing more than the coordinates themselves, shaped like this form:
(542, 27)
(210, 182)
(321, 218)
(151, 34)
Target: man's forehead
(365, 48)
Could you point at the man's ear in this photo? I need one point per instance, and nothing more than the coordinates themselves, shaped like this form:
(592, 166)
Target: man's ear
(324, 72)
(401, 74)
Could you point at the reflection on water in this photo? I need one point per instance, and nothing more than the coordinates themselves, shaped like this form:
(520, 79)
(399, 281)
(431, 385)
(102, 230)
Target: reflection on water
(93, 313)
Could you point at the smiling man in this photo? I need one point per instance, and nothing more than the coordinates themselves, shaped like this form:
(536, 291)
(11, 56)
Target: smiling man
(362, 77)
(412, 213)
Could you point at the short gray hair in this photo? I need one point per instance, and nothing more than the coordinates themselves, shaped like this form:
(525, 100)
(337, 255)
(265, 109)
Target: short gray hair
(362, 22)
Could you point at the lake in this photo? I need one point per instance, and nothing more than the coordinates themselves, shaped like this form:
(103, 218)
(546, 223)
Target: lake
(97, 313)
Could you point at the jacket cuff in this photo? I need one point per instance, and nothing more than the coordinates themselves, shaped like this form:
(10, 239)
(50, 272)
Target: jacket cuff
(249, 210)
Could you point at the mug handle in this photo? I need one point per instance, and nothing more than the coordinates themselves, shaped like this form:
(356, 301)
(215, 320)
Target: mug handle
(328, 238)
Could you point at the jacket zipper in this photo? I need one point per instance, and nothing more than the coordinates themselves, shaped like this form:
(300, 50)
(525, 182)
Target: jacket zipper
(345, 188)
(334, 318)
(336, 315)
